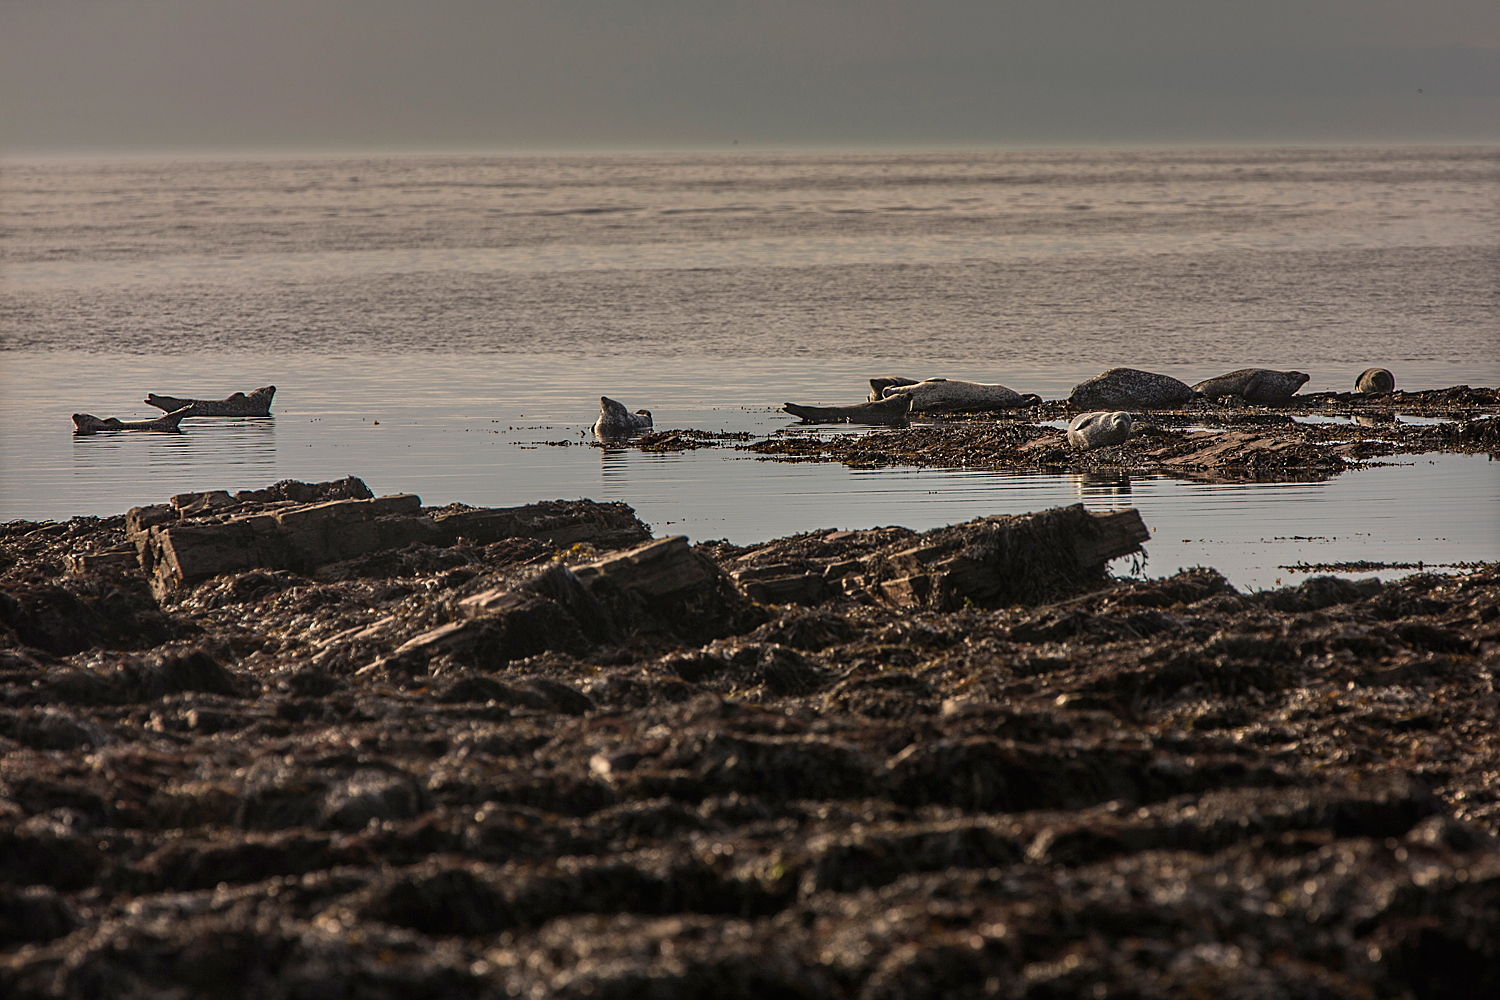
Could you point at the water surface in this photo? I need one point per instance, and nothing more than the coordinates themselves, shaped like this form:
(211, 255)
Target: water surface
(445, 325)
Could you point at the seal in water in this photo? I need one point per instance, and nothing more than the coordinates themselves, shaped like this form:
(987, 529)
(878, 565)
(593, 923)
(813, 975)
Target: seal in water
(878, 386)
(617, 422)
(941, 395)
(890, 410)
(1261, 386)
(87, 423)
(256, 404)
(1097, 429)
(1130, 389)
(1375, 380)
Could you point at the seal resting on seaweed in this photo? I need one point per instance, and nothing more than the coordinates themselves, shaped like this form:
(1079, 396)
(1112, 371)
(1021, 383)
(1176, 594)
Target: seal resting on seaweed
(1375, 380)
(1100, 428)
(238, 404)
(617, 422)
(941, 395)
(890, 410)
(1262, 386)
(1130, 389)
(87, 423)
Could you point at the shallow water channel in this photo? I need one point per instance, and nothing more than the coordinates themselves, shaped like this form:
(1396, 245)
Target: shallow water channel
(502, 430)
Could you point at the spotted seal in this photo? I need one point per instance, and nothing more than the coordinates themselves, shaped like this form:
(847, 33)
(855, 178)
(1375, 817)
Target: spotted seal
(891, 410)
(239, 404)
(87, 423)
(1260, 386)
(617, 422)
(1100, 428)
(1375, 380)
(941, 395)
(1129, 389)
(878, 386)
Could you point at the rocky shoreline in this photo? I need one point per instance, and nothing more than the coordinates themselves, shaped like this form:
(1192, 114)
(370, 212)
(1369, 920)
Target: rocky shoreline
(303, 741)
(1312, 437)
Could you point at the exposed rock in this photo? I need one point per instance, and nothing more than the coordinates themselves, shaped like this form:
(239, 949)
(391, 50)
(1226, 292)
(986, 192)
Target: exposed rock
(1028, 558)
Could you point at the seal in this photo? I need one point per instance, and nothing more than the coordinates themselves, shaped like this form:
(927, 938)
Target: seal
(1097, 429)
(878, 386)
(87, 423)
(1130, 389)
(941, 395)
(890, 410)
(1375, 380)
(617, 422)
(239, 404)
(1260, 386)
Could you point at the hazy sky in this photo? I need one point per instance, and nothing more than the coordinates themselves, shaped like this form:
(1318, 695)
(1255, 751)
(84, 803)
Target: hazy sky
(99, 75)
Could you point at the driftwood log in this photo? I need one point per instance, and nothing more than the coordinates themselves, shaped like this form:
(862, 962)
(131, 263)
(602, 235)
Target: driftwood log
(239, 404)
(87, 423)
(891, 410)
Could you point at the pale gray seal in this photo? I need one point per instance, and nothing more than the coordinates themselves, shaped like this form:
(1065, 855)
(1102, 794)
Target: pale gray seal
(891, 410)
(878, 386)
(1097, 429)
(1375, 380)
(1130, 389)
(941, 395)
(255, 404)
(87, 423)
(617, 422)
(1261, 386)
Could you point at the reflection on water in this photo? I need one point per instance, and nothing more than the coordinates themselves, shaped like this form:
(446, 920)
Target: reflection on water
(154, 466)
(1372, 419)
(1102, 484)
(220, 441)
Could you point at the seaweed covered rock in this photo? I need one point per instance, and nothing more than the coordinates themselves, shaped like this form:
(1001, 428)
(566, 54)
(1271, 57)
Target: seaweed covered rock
(1027, 558)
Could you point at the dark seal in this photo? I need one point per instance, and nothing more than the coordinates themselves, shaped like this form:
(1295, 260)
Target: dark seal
(1375, 380)
(1130, 389)
(1258, 386)
(616, 422)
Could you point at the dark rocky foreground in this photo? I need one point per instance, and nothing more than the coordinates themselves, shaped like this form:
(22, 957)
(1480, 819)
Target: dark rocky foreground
(300, 742)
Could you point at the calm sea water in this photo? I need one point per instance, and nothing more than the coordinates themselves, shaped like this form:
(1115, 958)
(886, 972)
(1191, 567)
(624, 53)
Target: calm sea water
(476, 307)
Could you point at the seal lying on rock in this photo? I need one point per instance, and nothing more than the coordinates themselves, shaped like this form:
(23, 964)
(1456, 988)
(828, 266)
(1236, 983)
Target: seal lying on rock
(617, 422)
(1261, 386)
(1097, 429)
(1375, 380)
(941, 395)
(1130, 389)
(87, 423)
(256, 404)
(878, 386)
(890, 410)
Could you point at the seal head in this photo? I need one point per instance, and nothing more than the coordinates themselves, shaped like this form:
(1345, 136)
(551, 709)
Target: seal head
(878, 386)
(1375, 380)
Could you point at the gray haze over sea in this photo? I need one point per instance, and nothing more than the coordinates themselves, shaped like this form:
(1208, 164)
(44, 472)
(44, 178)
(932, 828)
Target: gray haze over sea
(478, 306)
